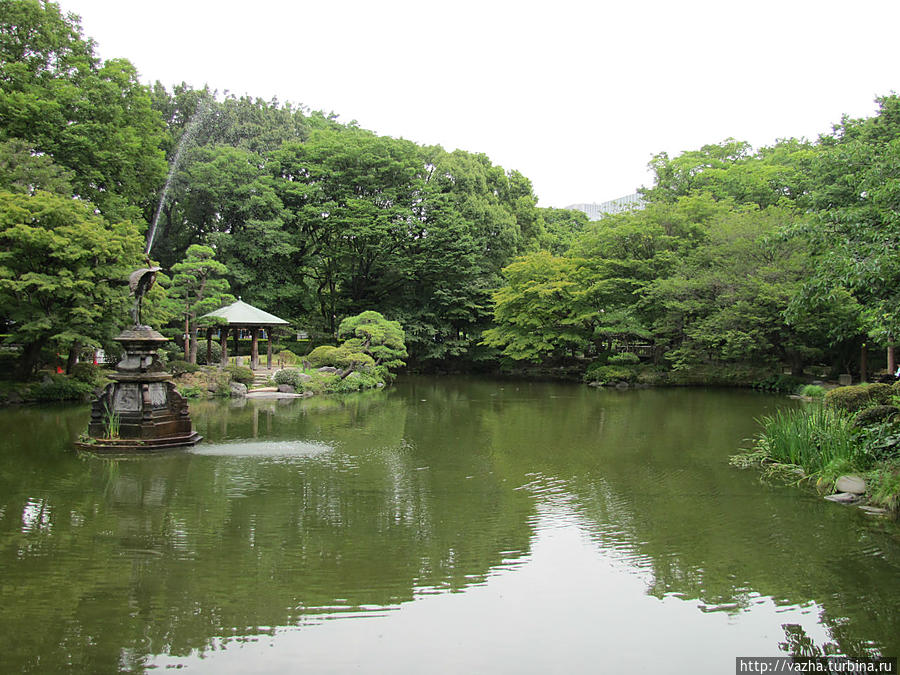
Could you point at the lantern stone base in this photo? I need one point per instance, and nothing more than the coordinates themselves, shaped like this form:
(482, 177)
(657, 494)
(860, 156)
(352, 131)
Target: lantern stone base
(140, 411)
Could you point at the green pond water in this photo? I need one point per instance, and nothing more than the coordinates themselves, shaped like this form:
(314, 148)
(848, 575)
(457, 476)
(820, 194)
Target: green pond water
(440, 525)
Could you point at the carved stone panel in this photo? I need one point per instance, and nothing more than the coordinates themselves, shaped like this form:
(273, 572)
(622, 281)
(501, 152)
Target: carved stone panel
(127, 397)
(158, 395)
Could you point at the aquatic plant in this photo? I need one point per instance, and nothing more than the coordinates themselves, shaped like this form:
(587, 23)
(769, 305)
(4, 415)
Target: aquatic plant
(111, 421)
(811, 438)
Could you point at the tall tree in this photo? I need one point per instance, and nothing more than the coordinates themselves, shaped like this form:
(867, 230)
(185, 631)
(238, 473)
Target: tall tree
(199, 287)
(63, 273)
(92, 117)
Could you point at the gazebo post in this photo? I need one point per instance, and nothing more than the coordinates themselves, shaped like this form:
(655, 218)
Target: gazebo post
(224, 339)
(270, 333)
(237, 344)
(254, 348)
(209, 332)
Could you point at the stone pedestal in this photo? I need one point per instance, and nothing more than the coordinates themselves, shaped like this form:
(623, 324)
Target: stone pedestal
(141, 411)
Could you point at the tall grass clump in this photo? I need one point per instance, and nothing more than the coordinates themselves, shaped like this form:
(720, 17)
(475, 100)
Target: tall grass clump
(818, 439)
(813, 391)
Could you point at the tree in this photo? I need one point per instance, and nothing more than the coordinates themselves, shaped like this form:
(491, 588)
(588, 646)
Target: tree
(63, 273)
(372, 334)
(93, 118)
(198, 287)
(533, 309)
(855, 231)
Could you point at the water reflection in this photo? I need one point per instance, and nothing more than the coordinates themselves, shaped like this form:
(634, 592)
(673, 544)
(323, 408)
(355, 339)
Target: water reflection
(553, 507)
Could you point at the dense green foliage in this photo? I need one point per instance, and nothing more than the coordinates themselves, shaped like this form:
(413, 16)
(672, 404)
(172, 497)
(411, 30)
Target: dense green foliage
(742, 260)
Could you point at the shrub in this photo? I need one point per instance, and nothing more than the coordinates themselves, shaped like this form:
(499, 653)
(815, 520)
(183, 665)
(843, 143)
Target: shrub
(813, 391)
(290, 376)
(86, 372)
(623, 359)
(191, 391)
(62, 388)
(880, 440)
(610, 374)
(170, 351)
(856, 397)
(340, 357)
(875, 415)
(241, 374)
(215, 357)
(287, 357)
(179, 367)
(782, 383)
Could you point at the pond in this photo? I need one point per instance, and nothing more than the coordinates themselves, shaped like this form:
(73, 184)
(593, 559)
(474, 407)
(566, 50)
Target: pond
(441, 525)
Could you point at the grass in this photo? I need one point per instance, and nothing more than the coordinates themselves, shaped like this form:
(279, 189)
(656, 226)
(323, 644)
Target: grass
(818, 439)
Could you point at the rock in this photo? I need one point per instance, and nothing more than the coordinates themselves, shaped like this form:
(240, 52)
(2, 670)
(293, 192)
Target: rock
(852, 484)
(307, 394)
(595, 384)
(286, 389)
(379, 385)
(303, 377)
(874, 510)
(328, 369)
(622, 385)
(238, 389)
(354, 376)
(843, 498)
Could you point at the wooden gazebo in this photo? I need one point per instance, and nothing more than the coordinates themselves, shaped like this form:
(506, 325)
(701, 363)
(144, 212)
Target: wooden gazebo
(241, 316)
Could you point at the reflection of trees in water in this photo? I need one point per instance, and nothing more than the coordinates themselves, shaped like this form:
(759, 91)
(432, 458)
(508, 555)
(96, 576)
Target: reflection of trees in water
(649, 475)
(162, 554)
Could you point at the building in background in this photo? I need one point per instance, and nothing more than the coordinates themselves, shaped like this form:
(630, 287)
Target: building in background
(597, 211)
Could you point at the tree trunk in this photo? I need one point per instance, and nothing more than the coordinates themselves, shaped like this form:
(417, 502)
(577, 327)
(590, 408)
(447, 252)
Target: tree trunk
(31, 353)
(187, 339)
(72, 359)
(891, 362)
(863, 364)
(193, 340)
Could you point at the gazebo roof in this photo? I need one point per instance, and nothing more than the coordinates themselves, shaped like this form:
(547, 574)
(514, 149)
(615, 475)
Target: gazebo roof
(241, 314)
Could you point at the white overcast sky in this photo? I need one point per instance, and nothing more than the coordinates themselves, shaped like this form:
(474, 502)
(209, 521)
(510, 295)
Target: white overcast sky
(577, 96)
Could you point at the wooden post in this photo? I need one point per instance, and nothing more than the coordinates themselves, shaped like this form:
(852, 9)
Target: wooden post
(254, 348)
(224, 360)
(270, 334)
(237, 345)
(209, 332)
(891, 362)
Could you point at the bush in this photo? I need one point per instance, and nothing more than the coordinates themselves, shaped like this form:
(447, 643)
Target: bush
(875, 415)
(215, 357)
(812, 391)
(353, 382)
(780, 383)
(191, 391)
(170, 351)
(241, 374)
(290, 376)
(340, 357)
(623, 359)
(857, 397)
(181, 367)
(609, 374)
(86, 372)
(62, 388)
(287, 357)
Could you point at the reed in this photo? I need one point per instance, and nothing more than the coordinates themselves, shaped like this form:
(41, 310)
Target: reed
(812, 438)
